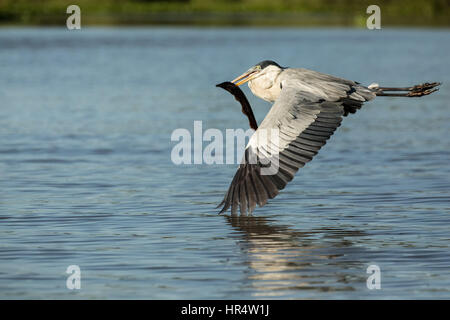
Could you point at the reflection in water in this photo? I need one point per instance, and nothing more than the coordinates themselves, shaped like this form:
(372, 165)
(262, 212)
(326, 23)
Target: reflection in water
(283, 260)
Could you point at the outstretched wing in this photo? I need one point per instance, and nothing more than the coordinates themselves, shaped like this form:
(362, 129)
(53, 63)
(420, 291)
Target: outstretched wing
(304, 123)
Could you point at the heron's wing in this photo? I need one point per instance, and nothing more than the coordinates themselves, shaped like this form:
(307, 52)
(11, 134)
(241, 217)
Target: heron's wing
(329, 88)
(303, 122)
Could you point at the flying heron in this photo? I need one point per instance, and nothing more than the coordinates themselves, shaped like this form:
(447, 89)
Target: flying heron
(307, 108)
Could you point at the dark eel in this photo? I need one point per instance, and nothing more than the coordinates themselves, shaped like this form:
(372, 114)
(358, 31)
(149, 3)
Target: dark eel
(242, 99)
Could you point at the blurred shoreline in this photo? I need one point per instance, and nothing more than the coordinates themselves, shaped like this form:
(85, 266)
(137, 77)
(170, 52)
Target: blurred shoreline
(300, 13)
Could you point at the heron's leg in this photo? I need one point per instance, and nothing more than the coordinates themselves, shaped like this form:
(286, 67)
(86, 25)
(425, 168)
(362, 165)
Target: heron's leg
(414, 91)
(418, 87)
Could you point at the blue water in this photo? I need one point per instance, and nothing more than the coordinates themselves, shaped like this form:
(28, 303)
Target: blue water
(86, 176)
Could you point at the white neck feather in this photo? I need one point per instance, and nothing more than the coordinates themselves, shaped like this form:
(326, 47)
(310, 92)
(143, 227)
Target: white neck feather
(266, 86)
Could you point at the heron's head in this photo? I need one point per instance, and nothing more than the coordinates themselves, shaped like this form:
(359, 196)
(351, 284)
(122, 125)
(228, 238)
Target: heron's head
(266, 70)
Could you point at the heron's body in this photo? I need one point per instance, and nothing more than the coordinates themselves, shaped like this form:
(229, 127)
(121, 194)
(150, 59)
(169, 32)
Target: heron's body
(307, 108)
(323, 86)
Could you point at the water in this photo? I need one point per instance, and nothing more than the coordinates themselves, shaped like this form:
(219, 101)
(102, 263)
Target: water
(86, 177)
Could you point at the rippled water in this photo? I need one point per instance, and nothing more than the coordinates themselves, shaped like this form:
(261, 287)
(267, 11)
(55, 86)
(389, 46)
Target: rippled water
(86, 177)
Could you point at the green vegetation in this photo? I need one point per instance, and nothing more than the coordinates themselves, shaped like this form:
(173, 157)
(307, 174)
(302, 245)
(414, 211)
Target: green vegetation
(227, 12)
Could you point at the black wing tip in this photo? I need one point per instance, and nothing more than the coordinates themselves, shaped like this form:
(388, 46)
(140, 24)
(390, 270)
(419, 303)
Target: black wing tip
(220, 204)
(224, 204)
(262, 188)
(224, 208)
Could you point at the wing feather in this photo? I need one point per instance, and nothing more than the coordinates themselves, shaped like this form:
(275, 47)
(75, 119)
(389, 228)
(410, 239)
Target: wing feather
(305, 122)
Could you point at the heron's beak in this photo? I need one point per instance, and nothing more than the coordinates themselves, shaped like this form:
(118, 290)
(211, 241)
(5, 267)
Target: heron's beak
(243, 78)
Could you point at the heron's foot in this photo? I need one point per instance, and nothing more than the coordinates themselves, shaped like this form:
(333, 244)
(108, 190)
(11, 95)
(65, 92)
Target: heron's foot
(424, 87)
(421, 93)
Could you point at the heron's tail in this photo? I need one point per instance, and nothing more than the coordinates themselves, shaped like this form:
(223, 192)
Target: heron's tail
(414, 91)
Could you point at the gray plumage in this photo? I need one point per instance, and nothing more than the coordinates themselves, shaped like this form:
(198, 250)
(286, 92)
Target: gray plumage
(308, 107)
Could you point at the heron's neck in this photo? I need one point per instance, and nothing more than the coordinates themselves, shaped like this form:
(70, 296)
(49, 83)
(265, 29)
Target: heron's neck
(267, 86)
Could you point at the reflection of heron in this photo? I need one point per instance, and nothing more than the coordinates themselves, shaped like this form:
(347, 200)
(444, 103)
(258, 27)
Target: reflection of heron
(282, 259)
(308, 107)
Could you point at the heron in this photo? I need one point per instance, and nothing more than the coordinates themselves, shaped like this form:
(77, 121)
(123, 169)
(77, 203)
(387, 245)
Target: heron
(308, 106)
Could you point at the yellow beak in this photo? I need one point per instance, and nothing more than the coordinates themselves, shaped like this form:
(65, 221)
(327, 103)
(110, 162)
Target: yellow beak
(243, 78)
